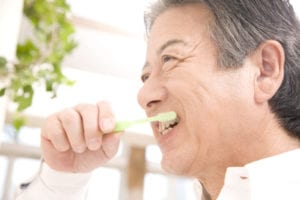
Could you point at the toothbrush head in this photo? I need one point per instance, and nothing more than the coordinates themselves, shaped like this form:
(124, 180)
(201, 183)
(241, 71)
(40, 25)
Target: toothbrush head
(166, 116)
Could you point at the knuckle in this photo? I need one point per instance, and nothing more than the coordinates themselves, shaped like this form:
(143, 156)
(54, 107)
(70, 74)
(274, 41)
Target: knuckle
(63, 147)
(89, 117)
(49, 121)
(69, 116)
(111, 152)
(79, 147)
(57, 134)
(110, 147)
(77, 144)
(94, 143)
(105, 109)
(52, 126)
(91, 130)
(85, 107)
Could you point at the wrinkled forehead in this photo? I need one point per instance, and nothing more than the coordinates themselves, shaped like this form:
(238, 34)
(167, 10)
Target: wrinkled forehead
(197, 14)
(187, 22)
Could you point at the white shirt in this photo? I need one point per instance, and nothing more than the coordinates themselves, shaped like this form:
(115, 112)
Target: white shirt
(273, 178)
(53, 185)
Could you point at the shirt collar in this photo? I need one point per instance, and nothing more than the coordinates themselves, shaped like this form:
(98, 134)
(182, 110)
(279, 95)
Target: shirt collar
(263, 167)
(272, 165)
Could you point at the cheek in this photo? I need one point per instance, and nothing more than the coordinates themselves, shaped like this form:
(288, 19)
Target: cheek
(204, 104)
(225, 104)
(210, 103)
(188, 91)
(194, 107)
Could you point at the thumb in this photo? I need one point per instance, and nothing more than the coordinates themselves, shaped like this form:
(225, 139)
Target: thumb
(110, 144)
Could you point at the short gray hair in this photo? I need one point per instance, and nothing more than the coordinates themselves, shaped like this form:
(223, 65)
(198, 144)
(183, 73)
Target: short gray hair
(238, 28)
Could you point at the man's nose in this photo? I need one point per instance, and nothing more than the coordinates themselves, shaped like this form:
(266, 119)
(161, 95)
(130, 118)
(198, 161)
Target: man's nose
(151, 94)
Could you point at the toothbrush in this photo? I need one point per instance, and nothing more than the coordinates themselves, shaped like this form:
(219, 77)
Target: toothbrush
(162, 117)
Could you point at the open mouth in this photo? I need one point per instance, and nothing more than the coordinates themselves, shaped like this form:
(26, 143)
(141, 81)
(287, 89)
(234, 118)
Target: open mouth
(165, 127)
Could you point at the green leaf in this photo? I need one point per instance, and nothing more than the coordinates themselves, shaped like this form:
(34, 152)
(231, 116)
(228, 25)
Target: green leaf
(69, 82)
(18, 122)
(49, 85)
(3, 67)
(25, 99)
(40, 57)
(3, 62)
(27, 52)
(2, 92)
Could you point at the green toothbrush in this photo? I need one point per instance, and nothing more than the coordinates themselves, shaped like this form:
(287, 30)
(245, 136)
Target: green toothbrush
(162, 117)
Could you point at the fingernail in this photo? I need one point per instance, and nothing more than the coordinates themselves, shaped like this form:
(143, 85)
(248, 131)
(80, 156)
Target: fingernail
(93, 144)
(107, 125)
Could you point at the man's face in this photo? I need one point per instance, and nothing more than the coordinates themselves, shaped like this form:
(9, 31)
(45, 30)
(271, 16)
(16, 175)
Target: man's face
(181, 75)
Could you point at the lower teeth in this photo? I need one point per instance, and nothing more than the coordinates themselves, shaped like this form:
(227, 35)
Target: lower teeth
(164, 132)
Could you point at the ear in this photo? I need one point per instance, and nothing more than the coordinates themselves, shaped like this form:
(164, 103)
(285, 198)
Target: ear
(269, 58)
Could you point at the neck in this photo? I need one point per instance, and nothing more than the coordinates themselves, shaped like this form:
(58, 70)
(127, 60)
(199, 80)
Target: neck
(211, 190)
(270, 143)
(212, 181)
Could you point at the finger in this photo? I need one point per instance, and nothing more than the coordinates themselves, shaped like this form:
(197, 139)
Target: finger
(110, 144)
(72, 124)
(106, 117)
(91, 132)
(53, 131)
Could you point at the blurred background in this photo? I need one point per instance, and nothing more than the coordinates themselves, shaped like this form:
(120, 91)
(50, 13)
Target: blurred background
(105, 65)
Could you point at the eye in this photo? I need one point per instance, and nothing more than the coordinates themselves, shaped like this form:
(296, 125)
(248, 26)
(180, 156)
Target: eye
(167, 58)
(144, 77)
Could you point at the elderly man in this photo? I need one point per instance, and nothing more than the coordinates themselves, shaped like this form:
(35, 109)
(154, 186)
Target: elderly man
(231, 71)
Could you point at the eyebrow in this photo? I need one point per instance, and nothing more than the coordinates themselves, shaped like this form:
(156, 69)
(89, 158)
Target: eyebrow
(170, 43)
(166, 45)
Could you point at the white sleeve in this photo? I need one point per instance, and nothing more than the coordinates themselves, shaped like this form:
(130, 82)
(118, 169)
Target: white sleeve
(50, 184)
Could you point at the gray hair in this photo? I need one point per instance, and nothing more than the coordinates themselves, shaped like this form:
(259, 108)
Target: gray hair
(238, 28)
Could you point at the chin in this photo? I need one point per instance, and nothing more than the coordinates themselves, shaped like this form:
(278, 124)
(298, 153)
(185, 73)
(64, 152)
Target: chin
(174, 166)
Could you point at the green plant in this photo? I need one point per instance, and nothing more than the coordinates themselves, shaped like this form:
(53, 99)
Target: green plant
(40, 56)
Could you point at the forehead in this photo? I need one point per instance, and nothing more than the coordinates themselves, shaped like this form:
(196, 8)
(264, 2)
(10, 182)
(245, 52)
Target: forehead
(186, 22)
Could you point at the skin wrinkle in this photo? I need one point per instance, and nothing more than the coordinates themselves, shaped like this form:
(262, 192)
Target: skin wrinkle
(170, 101)
(216, 106)
(182, 55)
(188, 101)
(227, 117)
(247, 12)
(169, 44)
(185, 57)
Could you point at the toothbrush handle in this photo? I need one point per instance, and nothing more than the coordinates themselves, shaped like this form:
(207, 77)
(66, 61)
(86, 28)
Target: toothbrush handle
(121, 126)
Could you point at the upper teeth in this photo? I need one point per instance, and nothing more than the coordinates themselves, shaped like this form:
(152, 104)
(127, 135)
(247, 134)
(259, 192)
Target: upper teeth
(165, 127)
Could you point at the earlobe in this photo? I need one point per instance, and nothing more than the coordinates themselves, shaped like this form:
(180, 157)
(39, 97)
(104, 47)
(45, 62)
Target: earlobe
(270, 66)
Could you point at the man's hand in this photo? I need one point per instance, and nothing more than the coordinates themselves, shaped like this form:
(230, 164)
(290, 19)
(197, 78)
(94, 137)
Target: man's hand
(73, 140)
